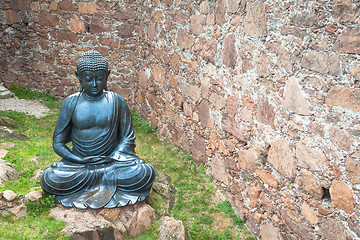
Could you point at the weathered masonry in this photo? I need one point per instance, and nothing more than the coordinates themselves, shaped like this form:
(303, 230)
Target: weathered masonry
(265, 94)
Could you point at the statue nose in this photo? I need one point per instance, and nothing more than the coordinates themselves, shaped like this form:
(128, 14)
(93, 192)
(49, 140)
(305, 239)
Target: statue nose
(94, 82)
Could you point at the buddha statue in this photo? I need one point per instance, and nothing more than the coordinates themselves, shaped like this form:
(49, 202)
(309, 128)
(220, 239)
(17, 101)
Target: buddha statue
(101, 170)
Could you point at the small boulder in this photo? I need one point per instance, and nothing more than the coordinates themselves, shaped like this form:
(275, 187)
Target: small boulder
(9, 195)
(19, 211)
(34, 196)
(114, 223)
(6, 132)
(7, 173)
(7, 145)
(170, 228)
(4, 93)
(7, 122)
(3, 153)
(163, 186)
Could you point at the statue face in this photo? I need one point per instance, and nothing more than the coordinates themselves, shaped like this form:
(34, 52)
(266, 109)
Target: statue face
(93, 82)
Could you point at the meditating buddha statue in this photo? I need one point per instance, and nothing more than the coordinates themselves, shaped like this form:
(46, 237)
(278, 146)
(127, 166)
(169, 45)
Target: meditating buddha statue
(101, 170)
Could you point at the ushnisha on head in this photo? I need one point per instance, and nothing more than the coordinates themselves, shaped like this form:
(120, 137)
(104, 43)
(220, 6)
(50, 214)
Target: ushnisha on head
(92, 72)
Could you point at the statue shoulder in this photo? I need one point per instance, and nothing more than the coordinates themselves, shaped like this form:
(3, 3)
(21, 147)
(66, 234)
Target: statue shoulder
(70, 101)
(116, 97)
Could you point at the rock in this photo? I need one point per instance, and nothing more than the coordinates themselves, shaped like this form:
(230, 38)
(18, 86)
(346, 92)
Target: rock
(158, 74)
(3, 153)
(11, 17)
(67, 5)
(114, 223)
(296, 224)
(344, 97)
(344, 11)
(19, 211)
(7, 173)
(157, 16)
(48, 19)
(311, 184)
(228, 53)
(206, 48)
(348, 42)
(184, 40)
(217, 101)
(305, 19)
(341, 138)
(295, 100)
(9, 195)
(204, 114)
(332, 229)
(53, 6)
(8, 122)
(321, 62)
(8, 145)
(265, 112)
(88, 7)
(77, 25)
(163, 186)
(255, 19)
(198, 149)
(231, 105)
(191, 91)
(233, 128)
(267, 178)
(220, 11)
(218, 170)
(353, 170)
(254, 195)
(341, 196)
(4, 93)
(170, 228)
(9, 133)
(270, 232)
(282, 158)
(310, 158)
(34, 196)
(197, 23)
(309, 214)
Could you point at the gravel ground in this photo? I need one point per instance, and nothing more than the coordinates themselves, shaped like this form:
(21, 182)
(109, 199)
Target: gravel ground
(31, 107)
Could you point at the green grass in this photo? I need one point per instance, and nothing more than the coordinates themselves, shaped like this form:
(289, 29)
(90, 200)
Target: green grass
(202, 217)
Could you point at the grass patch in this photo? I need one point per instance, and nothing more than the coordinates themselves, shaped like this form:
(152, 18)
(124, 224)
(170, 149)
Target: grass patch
(202, 218)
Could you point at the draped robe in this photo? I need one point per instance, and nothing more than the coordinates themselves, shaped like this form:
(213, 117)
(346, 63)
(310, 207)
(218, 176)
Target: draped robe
(122, 179)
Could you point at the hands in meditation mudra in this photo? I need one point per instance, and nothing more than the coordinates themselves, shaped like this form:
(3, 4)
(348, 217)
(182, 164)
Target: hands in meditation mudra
(101, 170)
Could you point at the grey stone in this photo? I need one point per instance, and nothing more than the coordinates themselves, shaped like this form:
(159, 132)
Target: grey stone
(6, 132)
(170, 228)
(7, 173)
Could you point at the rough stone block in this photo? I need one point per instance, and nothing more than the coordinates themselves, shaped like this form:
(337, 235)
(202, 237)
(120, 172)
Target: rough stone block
(206, 48)
(255, 23)
(321, 62)
(233, 128)
(282, 158)
(341, 196)
(184, 40)
(344, 97)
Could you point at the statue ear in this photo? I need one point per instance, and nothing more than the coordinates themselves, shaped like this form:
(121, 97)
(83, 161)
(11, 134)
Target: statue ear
(78, 77)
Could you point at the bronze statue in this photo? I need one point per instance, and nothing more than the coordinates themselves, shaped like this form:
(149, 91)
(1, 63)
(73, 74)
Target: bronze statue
(101, 170)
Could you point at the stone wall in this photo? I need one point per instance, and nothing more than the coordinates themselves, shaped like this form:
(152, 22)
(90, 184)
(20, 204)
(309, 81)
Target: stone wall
(265, 94)
(42, 41)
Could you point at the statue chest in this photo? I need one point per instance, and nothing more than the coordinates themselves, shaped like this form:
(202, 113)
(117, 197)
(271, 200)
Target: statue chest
(91, 115)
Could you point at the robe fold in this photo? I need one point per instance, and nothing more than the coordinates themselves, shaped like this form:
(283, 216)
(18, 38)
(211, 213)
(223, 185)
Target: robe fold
(121, 180)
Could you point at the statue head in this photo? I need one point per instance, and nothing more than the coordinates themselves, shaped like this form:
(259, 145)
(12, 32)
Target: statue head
(92, 72)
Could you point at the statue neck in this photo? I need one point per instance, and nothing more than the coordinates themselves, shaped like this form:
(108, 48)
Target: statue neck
(93, 98)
